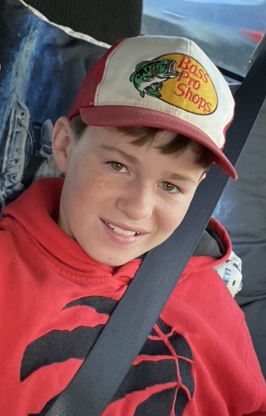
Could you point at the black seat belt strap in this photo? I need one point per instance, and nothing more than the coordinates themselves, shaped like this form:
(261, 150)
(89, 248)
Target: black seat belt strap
(109, 360)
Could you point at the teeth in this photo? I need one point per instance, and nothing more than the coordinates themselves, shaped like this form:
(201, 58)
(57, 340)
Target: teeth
(121, 231)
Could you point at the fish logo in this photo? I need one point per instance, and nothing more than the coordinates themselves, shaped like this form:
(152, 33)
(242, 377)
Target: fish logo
(178, 80)
(149, 76)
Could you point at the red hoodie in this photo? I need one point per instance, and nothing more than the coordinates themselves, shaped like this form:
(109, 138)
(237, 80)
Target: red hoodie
(197, 361)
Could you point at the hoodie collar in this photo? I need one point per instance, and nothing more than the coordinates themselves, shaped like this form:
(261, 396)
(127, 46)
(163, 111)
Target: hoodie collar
(64, 252)
(42, 231)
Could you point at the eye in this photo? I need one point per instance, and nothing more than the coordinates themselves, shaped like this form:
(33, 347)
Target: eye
(169, 187)
(118, 167)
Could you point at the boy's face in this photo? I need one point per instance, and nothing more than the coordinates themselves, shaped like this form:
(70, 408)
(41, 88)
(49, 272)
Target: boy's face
(119, 200)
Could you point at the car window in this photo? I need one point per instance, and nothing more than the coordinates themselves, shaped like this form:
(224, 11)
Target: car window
(228, 31)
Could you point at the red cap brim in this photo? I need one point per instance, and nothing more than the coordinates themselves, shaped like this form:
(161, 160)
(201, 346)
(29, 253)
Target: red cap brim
(118, 116)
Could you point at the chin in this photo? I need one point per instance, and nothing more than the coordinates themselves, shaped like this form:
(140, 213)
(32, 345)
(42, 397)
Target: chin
(115, 262)
(112, 261)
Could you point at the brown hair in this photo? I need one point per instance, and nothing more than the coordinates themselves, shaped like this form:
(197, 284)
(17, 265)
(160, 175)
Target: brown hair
(143, 135)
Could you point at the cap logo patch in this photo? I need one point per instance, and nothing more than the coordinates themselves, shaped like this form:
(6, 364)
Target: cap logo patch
(179, 80)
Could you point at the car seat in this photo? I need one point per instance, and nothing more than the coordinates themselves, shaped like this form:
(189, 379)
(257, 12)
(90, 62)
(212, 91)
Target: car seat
(104, 20)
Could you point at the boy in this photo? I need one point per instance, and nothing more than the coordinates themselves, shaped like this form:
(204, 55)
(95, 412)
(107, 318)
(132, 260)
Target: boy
(146, 125)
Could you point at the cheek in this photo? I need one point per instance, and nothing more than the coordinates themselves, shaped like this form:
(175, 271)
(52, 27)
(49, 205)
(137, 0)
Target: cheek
(81, 177)
(171, 217)
(172, 222)
(89, 189)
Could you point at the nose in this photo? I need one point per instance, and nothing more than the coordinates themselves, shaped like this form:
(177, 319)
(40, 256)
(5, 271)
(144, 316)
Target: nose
(136, 202)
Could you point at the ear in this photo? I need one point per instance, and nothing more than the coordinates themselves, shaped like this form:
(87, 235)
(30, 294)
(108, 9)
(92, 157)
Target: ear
(62, 142)
(203, 176)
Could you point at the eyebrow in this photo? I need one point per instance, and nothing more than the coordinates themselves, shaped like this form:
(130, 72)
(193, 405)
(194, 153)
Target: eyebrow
(129, 158)
(177, 176)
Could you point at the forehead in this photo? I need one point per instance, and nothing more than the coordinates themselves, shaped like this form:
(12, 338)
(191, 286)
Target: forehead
(142, 138)
(157, 145)
(147, 135)
(167, 142)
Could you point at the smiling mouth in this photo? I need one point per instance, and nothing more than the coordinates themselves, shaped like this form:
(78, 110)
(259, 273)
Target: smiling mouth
(119, 230)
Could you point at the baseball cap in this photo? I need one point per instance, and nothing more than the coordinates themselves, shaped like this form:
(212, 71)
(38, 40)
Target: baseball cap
(163, 82)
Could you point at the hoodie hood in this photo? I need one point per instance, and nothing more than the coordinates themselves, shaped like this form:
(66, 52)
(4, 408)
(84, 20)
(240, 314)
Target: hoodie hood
(36, 211)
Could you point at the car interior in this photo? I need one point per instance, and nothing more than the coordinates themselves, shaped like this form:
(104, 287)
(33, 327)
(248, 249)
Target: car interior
(59, 32)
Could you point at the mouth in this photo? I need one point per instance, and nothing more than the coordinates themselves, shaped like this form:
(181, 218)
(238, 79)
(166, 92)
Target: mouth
(173, 71)
(173, 67)
(121, 231)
